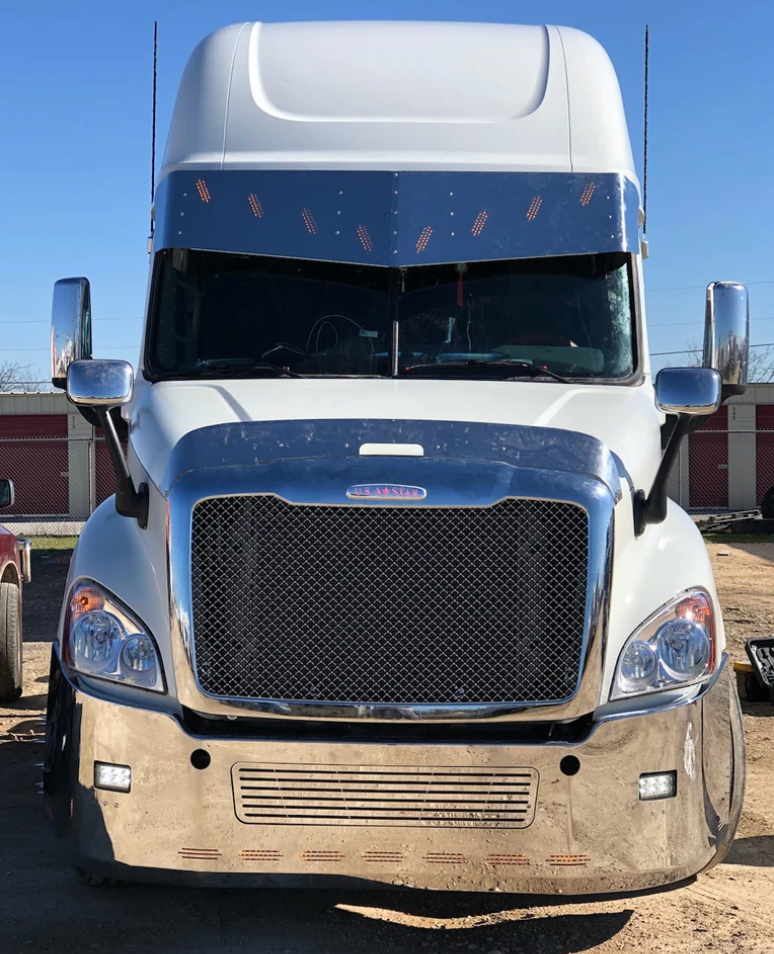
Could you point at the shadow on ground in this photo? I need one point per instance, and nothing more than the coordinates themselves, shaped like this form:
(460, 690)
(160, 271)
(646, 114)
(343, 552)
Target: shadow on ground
(43, 596)
(757, 850)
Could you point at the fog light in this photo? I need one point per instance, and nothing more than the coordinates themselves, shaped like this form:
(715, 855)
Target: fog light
(658, 785)
(113, 778)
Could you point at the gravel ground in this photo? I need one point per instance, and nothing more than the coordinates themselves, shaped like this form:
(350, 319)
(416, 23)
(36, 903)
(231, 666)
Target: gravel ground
(44, 908)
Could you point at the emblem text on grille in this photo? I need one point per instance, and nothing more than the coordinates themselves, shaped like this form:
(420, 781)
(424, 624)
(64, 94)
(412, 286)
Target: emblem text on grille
(380, 491)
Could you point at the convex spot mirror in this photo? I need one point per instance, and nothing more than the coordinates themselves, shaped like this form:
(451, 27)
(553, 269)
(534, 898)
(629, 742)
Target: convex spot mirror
(688, 392)
(100, 383)
(70, 327)
(727, 334)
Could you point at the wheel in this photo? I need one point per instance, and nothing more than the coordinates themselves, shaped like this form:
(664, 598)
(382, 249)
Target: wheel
(93, 880)
(767, 504)
(10, 643)
(738, 781)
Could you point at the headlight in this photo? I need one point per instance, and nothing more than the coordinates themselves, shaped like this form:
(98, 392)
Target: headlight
(103, 639)
(674, 647)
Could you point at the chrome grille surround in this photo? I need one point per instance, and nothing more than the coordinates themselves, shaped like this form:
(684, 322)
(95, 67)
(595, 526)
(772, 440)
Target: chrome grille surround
(389, 604)
(524, 463)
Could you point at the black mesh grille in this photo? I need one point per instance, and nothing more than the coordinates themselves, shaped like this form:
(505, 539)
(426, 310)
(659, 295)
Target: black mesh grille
(388, 604)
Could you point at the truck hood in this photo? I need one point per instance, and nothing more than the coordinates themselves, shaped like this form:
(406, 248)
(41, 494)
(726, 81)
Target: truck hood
(622, 418)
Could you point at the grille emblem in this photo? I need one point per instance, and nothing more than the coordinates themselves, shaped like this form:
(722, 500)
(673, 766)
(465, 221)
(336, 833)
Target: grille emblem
(380, 491)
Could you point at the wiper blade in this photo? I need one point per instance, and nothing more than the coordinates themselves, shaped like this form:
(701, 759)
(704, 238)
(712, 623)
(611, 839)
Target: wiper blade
(533, 371)
(508, 363)
(240, 366)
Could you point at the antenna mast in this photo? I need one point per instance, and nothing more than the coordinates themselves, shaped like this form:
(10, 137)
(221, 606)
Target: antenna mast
(153, 136)
(645, 139)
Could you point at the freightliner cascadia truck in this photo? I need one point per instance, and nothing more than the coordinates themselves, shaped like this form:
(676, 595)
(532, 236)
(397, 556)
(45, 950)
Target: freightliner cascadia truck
(390, 591)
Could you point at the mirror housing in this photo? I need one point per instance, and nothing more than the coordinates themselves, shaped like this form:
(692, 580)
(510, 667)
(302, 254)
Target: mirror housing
(7, 494)
(100, 383)
(727, 334)
(70, 327)
(688, 392)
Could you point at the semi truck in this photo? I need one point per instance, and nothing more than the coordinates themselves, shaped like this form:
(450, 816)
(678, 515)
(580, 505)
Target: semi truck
(391, 591)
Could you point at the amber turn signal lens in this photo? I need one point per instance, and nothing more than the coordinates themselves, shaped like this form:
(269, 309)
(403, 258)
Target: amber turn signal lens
(695, 608)
(86, 600)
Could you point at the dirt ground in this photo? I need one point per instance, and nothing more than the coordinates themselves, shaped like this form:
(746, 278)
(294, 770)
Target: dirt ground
(44, 908)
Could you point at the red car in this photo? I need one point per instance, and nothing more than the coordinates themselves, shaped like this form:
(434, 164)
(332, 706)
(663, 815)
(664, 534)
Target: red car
(15, 569)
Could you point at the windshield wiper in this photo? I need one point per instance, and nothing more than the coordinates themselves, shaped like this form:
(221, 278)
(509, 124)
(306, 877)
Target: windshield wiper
(229, 366)
(523, 367)
(533, 371)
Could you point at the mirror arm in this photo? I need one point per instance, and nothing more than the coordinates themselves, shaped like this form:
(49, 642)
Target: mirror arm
(731, 390)
(653, 508)
(129, 502)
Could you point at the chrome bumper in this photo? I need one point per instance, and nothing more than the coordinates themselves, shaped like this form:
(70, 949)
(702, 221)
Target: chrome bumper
(590, 833)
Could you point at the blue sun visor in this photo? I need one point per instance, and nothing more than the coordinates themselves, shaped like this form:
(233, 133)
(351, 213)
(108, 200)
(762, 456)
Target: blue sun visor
(398, 219)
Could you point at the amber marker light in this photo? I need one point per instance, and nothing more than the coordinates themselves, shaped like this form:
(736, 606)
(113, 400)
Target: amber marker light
(424, 238)
(204, 192)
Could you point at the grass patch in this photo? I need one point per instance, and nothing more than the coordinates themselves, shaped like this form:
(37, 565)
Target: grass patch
(738, 538)
(52, 543)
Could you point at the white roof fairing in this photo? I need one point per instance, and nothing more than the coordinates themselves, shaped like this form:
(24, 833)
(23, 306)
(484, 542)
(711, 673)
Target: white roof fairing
(399, 96)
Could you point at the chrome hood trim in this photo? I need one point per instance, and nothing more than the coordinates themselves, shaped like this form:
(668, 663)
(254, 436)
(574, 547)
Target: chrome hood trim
(466, 465)
(263, 442)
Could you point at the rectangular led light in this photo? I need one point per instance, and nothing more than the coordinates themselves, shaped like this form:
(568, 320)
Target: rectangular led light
(112, 778)
(658, 785)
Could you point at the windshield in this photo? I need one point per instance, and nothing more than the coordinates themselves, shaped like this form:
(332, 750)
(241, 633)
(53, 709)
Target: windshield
(221, 314)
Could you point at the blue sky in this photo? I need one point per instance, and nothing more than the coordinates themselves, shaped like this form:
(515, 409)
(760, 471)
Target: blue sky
(75, 156)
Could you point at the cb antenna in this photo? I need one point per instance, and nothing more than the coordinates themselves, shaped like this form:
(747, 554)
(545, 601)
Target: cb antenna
(645, 139)
(153, 136)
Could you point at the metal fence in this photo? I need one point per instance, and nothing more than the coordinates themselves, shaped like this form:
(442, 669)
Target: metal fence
(57, 478)
(724, 469)
(63, 479)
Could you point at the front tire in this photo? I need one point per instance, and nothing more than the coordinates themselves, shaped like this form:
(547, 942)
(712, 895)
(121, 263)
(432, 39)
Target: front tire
(10, 643)
(738, 780)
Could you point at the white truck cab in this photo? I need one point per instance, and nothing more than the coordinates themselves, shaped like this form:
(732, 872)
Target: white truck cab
(391, 590)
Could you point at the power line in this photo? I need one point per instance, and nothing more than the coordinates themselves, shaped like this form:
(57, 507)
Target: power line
(658, 354)
(766, 281)
(44, 321)
(127, 347)
(679, 324)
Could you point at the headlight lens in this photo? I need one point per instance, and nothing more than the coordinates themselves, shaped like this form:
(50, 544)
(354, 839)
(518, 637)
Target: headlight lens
(104, 639)
(674, 647)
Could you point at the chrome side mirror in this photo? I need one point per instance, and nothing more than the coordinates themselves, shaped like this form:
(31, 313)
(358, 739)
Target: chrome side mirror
(100, 383)
(688, 392)
(727, 334)
(70, 327)
(6, 493)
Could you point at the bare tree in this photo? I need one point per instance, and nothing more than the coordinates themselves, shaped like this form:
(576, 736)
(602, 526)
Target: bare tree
(761, 366)
(15, 377)
(760, 369)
